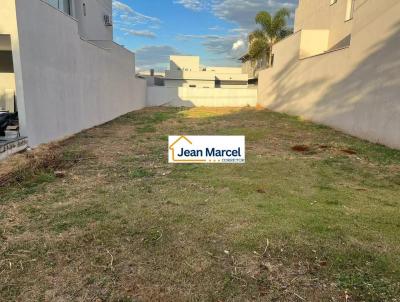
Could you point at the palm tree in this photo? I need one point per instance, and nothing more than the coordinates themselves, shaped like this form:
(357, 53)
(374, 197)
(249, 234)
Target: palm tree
(273, 29)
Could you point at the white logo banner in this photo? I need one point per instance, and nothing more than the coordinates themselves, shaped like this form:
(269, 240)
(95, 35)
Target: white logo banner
(206, 149)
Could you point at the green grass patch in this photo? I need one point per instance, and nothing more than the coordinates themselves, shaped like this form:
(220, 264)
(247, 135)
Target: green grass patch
(124, 224)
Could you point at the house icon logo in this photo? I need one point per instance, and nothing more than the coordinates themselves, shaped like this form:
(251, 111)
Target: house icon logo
(176, 144)
(206, 149)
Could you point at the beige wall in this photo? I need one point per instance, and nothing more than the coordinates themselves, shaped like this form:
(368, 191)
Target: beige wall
(320, 15)
(7, 79)
(186, 63)
(207, 97)
(354, 89)
(313, 42)
(252, 68)
(8, 26)
(7, 90)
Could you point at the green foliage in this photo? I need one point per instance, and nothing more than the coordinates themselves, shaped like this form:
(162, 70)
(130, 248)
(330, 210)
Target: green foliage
(140, 173)
(273, 29)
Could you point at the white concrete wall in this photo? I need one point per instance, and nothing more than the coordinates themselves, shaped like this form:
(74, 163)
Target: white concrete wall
(229, 70)
(196, 97)
(187, 83)
(91, 26)
(355, 89)
(65, 84)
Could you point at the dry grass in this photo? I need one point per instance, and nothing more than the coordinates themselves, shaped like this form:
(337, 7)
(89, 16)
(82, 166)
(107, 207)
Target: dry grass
(316, 223)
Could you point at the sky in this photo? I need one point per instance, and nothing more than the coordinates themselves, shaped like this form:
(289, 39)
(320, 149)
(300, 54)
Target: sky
(215, 30)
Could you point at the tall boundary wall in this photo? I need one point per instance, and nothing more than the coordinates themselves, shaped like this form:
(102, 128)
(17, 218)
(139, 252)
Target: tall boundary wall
(65, 84)
(354, 89)
(201, 97)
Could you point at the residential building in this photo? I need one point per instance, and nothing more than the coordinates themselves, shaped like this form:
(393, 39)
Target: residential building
(185, 71)
(253, 67)
(60, 69)
(341, 68)
(189, 84)
(152, 78)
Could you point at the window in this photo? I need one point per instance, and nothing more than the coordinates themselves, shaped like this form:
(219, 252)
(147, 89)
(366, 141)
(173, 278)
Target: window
(62, 5)
(6, 62)
(349, 10)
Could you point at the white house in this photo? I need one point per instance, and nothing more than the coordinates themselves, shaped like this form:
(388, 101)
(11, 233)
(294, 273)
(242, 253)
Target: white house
(185, 71)
(60, 69)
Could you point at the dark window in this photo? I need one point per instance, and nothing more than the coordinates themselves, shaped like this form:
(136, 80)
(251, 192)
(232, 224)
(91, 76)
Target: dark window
(63, 5)
(192, 86)
(6, 62)
(229, 82)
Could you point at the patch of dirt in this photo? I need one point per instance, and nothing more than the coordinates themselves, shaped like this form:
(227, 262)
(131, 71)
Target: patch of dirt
(278, 279)
(349, 151)
(50, 156)
(301, 148)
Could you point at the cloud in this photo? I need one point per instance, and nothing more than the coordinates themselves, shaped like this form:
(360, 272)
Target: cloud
(229, 47)
(239, 48)
(130, 22)
(216, 44)
(196, 5)
(240, 13)
(243, 12)
(138, 18)
(215, 28)
(122, 7)
(154, 56)
(125, 15)
(139, 33)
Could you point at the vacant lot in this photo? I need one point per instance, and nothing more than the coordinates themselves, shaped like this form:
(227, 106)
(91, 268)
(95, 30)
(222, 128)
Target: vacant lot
(313, 215)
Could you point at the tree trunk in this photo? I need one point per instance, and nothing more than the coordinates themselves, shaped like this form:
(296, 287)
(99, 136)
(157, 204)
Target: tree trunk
(270, 56)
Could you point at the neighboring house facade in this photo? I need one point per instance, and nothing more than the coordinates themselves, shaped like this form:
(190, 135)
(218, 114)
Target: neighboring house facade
(341, 68)
(59, 63)
(185, 71)
(186, 83)
(152, 78)
(253, 67)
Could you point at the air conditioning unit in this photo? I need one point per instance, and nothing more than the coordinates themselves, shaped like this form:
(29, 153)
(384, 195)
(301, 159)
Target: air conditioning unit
(108, 20)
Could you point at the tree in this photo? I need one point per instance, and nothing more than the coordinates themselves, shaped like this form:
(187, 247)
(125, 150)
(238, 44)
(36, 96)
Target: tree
(273, 29)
